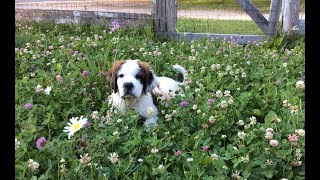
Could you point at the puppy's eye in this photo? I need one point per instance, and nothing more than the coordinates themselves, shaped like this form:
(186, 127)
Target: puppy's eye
(138, 76)
(120, 75)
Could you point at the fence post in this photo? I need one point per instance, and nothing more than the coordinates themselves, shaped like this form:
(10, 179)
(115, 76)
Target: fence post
(165, 15)
(274, 15)
(291, 10)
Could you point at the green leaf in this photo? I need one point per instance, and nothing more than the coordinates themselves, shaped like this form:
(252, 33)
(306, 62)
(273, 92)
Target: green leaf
(270, 117)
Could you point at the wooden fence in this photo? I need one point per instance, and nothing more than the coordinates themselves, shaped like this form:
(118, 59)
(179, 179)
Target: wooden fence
(165, 16)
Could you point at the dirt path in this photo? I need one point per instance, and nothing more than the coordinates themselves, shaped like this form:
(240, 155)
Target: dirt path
(131, 6)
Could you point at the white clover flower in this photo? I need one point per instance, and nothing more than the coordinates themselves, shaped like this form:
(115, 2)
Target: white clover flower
(227, 93)
(119, 120)
(230, 101)
(168, 117)
(113, 157)
(223, 104)
(248, 62)
(300, 132)
(33, 165)
(211, 119)
(85, 159)
(269, 135)
(241, 134)
(270, 130)
(300, 85)
(285, 103)
(240, 122)
(75, 125)
(293, 109)
(154, 150)
(197, 90)
(228, 68)
(47, 90)
(284, 64)
(63, 168)
(247, 126)
(38, 88)
(273, 143)
(245, 159)
(244, 74)
(214, 156)
(190, 159)
(174, 112)
(140, 160)
(198, 111)
(194, 107)
(223, 136)
(94, 115)
(62, 160)
(225, 167)
(269, 162)
(219, 94)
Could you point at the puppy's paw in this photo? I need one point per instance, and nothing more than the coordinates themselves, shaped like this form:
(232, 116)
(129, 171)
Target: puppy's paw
(151, 121)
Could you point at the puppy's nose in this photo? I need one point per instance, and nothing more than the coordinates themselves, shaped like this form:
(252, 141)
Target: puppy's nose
(128, 86)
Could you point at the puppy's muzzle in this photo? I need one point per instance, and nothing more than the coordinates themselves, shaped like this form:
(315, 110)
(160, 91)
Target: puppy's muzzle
(128, 89)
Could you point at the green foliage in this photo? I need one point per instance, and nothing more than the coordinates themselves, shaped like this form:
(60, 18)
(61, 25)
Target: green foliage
(241, 79)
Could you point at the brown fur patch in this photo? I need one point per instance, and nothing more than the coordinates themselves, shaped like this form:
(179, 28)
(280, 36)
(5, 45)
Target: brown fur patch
(146, 73)
(112, 73)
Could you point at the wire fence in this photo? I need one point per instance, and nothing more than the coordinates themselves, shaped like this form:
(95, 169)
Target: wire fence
(195, 16)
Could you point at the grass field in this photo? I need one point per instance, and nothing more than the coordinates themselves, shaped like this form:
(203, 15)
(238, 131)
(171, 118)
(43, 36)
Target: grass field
(241, 116)
(217, 26)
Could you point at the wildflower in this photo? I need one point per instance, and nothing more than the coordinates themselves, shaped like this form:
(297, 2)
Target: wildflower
(114, 26)
(194, 107)
(177, 153)
(28, 106)
(278, 82)
(85, 73)
(198, 111)
(154, 150)
(225, 167)
(62, 160)
(219, 94)
(293, 138)
(247, 126)
(236, 175)
(119, 120)
(268, 135)
(160, 166)
(285, 103)
(17, 144)
(211, 120)
(113, 157)
(190, 159)
(296, 163)
(205, 125)
(205, 148)
(300, 132)
(241, 134)
(41, 142)
(87, 124)
(284, 64)
(140, 160)
(75, 125)
(38, 88)
(47, 90)
(59, 78)
(253, 120)
(293, 109)
(223, 104)
(183, 103)
(297, 154)
(273, 143)
(240, 122)
(214, 156)
(227, 93)
(85, 160)
(94, 115)
(230, 101)
(243, 75)
(33, 165)
(210, 101)
(223, 136)
(269, 130)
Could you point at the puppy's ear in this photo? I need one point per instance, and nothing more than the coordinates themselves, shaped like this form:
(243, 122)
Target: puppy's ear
(149, 78)
(112, 74)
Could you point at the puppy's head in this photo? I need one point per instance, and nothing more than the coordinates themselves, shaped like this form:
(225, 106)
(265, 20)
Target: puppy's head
(131, 78)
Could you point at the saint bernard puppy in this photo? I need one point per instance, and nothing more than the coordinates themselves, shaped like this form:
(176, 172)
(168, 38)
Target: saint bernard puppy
(133, 83)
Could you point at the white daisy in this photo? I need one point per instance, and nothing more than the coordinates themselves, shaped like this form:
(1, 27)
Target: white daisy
(113, 157)
(75, 125)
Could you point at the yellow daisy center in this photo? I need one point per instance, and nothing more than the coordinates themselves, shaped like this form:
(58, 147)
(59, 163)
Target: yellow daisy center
(76, 126)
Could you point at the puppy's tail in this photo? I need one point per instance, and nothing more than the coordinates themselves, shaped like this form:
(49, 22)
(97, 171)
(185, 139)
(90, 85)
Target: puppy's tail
(182, 70)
